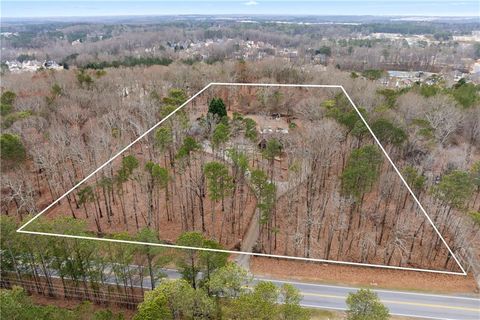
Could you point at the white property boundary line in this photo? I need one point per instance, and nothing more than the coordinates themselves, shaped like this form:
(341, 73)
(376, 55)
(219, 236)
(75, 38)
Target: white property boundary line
(21, 229)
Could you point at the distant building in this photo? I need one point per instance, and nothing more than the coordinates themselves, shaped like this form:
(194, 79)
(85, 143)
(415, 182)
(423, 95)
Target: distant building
(476, 67)
(474, 37)
(406, 78)
(14, 66)
(458, 75)
(52, 65)
(31, 65)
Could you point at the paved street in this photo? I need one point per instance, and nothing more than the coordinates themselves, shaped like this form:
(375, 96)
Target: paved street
(417, 305)
(404, 303)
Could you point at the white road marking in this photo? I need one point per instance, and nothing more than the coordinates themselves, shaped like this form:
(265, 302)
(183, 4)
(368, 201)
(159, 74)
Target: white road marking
(377, 290)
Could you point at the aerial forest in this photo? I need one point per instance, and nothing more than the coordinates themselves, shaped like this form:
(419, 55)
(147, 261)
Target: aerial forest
(270, 170)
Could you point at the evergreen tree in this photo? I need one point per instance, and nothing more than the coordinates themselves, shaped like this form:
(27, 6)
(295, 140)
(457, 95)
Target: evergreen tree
(291, 308)
(154, 255)
(175, 299)
(415, 180)
(7, 99)
(12, 149)
(387, 132)
(220, 135)
(217, 107)
(189, 145)
(250, 129)
(190, 262)
(260, 304)
(228, 281)
(454, 189)
(361, 171)
(365, 305)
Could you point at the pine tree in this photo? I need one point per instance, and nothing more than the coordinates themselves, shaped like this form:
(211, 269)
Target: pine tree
(217, 107)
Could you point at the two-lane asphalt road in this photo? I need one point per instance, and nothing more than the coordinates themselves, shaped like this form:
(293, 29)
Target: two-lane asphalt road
(409, 304)
(402, 303)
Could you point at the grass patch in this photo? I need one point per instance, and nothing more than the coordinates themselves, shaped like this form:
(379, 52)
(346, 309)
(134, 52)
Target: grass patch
(321, 314)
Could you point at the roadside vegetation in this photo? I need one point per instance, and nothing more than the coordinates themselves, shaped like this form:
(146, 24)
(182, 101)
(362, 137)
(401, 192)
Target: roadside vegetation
(113, 275)
(16, 304)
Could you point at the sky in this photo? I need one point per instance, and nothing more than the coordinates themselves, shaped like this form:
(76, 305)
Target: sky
(39, 8)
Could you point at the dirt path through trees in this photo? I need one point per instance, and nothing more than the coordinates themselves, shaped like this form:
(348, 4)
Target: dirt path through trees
(253, 232)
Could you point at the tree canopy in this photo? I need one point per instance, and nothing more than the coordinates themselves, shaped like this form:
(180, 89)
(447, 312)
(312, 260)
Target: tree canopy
(217, 107)
(175, 299)
(365, 305)
(191, 262)
(415, 180)
(455, 188)
(8, 97)
(361, 171)
(220, 135)
(12, 149)
(387, 132)
(218, 180)
(189, 145)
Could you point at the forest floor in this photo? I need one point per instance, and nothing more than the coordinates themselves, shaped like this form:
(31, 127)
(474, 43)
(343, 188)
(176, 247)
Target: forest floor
(136, 208)
(362, 276)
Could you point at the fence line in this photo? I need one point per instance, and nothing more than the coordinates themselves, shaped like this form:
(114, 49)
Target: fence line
(106, 294)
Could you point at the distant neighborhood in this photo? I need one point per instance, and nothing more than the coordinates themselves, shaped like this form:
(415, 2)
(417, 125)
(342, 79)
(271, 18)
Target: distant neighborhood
(403, 57)
(32, 65)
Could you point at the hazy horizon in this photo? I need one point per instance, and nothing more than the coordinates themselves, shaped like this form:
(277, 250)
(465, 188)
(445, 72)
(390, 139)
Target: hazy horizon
(408, 8)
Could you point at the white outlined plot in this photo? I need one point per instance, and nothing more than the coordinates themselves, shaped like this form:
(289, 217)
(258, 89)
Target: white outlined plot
(22, 229)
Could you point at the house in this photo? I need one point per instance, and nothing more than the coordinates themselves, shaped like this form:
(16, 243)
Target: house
(407, 78)
(14, 66)
(31, 65)
(458, 75)
(281, 130)
(266, 130)
(52, 65)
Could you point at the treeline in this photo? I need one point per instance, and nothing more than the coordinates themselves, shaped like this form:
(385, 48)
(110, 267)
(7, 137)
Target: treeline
(441, 30)
(233, 296)
(102, 272)
(466, 94)
(229, 293)
(129, 62)
(407, 28)
(100, 46)
(114, 274)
